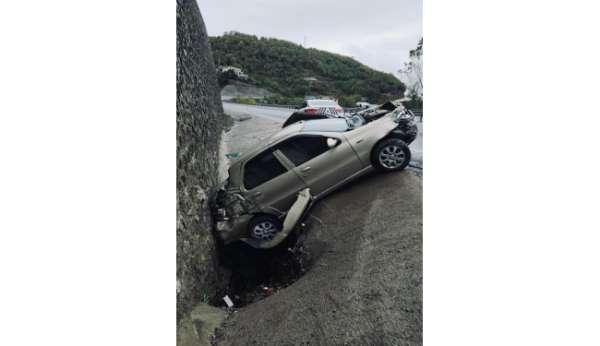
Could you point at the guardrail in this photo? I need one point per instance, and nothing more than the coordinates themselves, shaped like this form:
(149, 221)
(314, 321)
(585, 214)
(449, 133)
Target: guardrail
(417, 111)
(277, 106)
(349, 109)
(263, 104)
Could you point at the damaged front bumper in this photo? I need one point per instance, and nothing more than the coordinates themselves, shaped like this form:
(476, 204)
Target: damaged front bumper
(406, 130)
(233, 213)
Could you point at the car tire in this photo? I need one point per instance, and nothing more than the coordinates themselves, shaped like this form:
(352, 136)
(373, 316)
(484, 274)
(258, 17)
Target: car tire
(391, 154)
(264, 227)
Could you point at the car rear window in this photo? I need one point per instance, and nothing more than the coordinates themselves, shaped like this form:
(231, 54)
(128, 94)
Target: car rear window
(261, 169)
(304, 148)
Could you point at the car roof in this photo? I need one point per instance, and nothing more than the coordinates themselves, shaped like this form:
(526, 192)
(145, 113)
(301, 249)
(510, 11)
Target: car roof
(325, 125)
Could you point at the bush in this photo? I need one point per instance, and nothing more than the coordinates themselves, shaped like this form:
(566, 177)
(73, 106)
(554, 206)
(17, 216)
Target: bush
(283, 100)
(350, 100)
(245, 100)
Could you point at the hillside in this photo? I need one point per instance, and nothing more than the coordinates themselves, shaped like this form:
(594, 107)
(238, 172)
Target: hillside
(292, 71)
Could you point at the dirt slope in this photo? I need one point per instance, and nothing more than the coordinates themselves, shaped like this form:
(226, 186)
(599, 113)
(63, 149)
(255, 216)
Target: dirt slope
(364, 286)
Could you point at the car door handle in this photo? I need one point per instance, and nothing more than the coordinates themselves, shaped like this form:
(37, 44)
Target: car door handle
(305, 169)
(359, 140)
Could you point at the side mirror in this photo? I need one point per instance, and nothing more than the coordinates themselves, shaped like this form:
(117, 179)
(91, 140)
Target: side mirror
(332, 142)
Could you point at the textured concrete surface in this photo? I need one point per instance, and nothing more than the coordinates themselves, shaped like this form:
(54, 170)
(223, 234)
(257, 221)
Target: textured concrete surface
(197, 328)
(200, 122)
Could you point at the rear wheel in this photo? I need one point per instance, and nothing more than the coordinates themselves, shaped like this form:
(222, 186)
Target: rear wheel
(264, 227)
(391, 154)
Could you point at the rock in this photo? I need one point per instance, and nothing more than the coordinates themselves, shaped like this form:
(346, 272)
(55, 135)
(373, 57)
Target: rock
(200, 122)
(198, 328)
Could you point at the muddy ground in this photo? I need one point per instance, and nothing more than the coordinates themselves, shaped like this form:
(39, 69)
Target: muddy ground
(355, 277)
(363, 285)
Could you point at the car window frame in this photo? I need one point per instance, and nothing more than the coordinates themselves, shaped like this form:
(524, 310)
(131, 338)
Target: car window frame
(243, 168)
(276, 146)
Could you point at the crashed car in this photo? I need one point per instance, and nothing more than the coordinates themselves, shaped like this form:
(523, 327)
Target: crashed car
(270, 189)
(315, 109)
(321, 106)
(373, 112)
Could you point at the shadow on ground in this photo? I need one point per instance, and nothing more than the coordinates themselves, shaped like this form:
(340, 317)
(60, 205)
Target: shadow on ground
(258, 273)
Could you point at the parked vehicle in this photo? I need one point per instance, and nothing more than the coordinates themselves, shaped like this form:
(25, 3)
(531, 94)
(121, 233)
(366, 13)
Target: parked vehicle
(363, 105)
(270, 189)
(321, 107)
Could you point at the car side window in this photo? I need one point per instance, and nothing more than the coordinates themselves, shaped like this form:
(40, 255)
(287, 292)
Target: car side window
(303, 148)
(261, 169)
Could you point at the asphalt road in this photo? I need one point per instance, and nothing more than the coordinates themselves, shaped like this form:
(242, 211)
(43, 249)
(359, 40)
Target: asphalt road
(363, 285)
(279, 115)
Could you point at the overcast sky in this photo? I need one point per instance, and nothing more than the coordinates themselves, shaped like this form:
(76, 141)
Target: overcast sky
(378, 33)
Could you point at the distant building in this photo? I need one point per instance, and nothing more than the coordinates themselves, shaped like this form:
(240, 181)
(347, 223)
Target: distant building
(238, 71)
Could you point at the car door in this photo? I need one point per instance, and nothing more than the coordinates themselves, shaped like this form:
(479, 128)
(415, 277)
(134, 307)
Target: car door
(322, 168)
(269, 183)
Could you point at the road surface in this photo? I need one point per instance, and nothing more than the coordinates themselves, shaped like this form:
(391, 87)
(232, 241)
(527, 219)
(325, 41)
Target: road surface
(363, 285)
(279, 115)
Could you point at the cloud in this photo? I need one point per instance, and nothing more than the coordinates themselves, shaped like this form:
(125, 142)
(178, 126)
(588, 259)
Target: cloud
(378, 33)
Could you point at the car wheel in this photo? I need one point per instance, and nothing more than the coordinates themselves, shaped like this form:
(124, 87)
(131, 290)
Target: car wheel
(264, 227)
(391, 154)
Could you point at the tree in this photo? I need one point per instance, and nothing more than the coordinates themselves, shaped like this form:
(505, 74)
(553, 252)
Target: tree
(283, 68)
(412, 72)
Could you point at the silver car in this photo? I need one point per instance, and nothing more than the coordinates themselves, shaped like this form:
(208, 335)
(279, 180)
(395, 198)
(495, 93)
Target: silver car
(271, 188)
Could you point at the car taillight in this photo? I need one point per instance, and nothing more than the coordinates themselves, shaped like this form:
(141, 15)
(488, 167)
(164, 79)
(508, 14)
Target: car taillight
(311, 110)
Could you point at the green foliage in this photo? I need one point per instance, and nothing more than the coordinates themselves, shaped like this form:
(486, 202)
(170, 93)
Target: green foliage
(414, 103)
(349, 101)
(283, 67)
(284, 100)
(244, 99)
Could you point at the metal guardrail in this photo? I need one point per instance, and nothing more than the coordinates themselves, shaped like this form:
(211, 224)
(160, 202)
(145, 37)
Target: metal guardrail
(348, 110)
(276, 105)
(417, 111)
(263, 104)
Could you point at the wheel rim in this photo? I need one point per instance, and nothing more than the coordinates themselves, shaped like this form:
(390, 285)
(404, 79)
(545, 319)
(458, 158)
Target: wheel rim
(392, 156)
(264, 230)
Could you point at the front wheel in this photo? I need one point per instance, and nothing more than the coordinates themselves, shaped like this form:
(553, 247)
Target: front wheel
(264, 227)
(391, 154)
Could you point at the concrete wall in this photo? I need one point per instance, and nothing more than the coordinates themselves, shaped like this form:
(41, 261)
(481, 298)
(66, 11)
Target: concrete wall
(200, 121)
